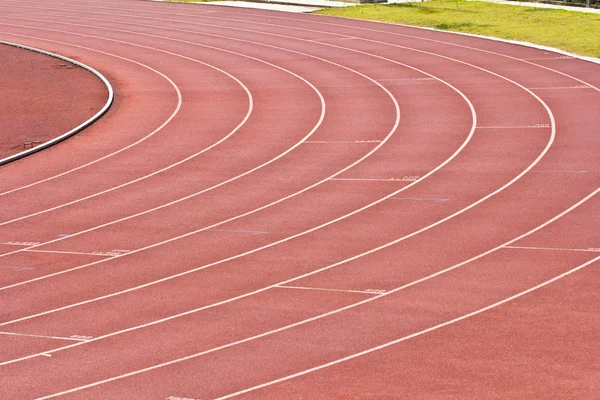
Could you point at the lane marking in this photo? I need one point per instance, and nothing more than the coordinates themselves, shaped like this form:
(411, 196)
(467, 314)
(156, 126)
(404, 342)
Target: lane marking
(405, 179)
(16, 268)
(559, 171)
(76, 339)
(591, 249)
(563, 87)
(238, 231)
(98, 253)
(343, 141)
(436, 199)
(14, 243)
(368, 291)
(405, 79)
(548, 58)
(536, 126)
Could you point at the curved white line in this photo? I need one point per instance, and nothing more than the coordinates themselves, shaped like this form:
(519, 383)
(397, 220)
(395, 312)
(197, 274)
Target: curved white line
(80, 127)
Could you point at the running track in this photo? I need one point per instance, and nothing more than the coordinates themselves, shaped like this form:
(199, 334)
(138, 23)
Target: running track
(293, 206)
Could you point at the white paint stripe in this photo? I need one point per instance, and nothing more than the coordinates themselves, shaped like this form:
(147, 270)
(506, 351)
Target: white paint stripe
(98, 254)
(562, 87)
(374, 179)
(401, 339)
(594, 250)
(329, 289)
(343, 141)
(437, 199)
(78, 128)
(42, 336)
(224, 138)
(539, 126)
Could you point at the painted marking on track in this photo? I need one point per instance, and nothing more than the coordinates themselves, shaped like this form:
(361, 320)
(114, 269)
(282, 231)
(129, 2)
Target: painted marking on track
(437, 199)
(562, 87)
(43, 336)
(411, 178)
(548, 58)
(536, 126)
(368, 291)
(239, 231)
(405, 79)
(342, 141)
(16, 268)
(331, 39)
(14, 243)
(591, 249)
(179, 398)
(46, 355)
(63, 235)
(566, 171)
(81, 337)
(107, 254)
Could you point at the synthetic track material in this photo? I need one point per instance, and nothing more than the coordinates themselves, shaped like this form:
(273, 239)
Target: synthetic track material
(295, 206)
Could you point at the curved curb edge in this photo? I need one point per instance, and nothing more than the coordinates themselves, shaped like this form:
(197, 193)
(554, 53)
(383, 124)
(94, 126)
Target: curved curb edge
(75, 130)
(492, 38)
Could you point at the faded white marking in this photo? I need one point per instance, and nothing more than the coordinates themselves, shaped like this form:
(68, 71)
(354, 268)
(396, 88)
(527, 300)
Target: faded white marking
(368, 291)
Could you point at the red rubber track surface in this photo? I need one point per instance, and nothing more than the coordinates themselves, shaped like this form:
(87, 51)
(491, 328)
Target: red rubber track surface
(295, 206)
(42, 99)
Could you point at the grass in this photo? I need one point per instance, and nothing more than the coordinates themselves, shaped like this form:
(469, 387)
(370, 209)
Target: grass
(575, 32)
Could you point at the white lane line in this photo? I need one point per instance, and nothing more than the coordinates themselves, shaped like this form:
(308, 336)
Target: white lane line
(591, 250)
(391, 343)
(182, 199)
(173, 114)
(372, 292)
(343, 141)
(43, 336)
(436, 199)
(99, 254)
(168, 167)
(562, 87)
(411, 179)
(16, 268)
(536, 126)
(239, 231)
(15, 243)
(404, 79)
(368, 300)
(567, 171)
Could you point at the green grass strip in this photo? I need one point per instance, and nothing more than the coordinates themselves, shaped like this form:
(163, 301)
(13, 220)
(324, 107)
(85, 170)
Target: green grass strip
(575, 32)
